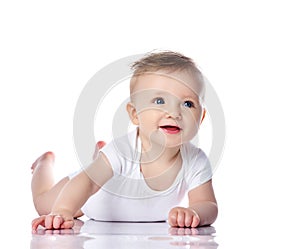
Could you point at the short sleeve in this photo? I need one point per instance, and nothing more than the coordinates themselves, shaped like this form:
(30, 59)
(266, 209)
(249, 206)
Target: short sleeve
(121, 153)
(197, 167)
(112, 156)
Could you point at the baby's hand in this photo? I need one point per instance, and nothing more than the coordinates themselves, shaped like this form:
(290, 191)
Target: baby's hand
(183, 217)
(52, 221)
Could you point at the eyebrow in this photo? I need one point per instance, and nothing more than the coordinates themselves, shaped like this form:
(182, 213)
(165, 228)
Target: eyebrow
(189, 97)
(160, 92)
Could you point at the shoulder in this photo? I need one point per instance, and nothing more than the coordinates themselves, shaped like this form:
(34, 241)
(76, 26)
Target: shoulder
(121, 150)
(197, 168)
(123, 145)
(191, 153)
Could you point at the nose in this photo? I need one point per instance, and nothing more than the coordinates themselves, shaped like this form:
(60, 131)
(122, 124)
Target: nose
(174, 113)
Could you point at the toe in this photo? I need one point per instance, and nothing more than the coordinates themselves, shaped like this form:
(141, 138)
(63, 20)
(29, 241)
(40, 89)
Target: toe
(99, 146)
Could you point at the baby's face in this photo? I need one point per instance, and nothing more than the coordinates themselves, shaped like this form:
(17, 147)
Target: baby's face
(167, 107)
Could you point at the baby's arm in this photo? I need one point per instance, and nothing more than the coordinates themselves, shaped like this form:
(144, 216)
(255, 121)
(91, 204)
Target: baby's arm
(202, 210)
(75, 194)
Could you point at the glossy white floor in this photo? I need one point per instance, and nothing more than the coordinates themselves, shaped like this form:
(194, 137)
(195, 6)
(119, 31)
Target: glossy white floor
(93, 234)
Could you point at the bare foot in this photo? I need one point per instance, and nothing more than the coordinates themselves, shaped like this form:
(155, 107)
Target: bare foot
(99, 146)
(47, 158)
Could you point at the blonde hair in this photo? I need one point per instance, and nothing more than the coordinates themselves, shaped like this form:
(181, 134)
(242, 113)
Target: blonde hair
(167, 61)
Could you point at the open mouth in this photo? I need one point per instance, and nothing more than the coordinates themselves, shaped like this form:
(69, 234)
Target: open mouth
(172, 129)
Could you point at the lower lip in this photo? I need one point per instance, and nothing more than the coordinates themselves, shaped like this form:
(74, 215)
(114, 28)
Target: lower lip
(170, 131)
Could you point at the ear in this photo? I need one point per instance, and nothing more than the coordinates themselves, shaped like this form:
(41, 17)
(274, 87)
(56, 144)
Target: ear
(132, 113)
(203, 115)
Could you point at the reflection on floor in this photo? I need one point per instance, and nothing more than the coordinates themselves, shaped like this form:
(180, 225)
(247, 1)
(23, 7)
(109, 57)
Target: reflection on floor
(94, 234)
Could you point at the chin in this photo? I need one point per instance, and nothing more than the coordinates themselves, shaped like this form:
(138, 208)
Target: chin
(173, 144)
(167, 140)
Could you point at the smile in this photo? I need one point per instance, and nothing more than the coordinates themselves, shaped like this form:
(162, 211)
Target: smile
(170, 129)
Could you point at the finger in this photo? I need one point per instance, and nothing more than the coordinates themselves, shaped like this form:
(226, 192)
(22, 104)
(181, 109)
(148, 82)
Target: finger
(49, 221)
(181, 219)
(188, 219)
(173, 218)
(67, 224)
(196, 221)
(57, 221)
(35, 223)
(38, 221)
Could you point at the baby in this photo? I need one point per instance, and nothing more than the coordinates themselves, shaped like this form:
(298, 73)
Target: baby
(144, 175)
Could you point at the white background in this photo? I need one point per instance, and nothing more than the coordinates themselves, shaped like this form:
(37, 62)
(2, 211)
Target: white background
(249, 51)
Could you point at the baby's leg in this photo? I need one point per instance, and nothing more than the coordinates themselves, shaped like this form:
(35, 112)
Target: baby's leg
(43, 187)
(44, 190)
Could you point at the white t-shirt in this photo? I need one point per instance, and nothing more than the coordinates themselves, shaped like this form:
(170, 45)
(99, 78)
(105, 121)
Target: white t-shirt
(127, 197)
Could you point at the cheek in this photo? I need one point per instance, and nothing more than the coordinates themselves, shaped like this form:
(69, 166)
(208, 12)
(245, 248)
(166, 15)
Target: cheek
(146, 119)
(192, 118)
(150, 115)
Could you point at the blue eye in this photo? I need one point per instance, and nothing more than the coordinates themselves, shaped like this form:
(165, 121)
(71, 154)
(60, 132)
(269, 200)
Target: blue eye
(159, 101)
(188, 104)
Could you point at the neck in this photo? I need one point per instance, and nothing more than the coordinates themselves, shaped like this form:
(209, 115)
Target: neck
(162, 167)
(156, 152)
